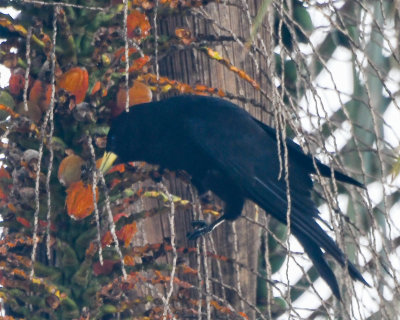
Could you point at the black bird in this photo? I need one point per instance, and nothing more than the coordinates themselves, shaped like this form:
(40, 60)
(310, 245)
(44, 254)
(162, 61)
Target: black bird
(225, 150)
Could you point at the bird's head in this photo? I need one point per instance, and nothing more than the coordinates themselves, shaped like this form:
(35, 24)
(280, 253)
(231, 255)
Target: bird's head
(125, 138)
(122, 130)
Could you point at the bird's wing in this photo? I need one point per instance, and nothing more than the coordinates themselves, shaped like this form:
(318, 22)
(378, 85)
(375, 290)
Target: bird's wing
(246, 154)
(249, 157)
(306, 160)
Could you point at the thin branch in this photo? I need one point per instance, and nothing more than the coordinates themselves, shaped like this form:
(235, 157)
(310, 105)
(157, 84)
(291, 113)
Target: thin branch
(171, 218)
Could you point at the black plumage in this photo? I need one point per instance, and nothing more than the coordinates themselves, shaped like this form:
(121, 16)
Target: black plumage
(225, 150)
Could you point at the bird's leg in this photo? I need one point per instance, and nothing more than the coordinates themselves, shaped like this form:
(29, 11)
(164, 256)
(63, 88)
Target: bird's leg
(199, 224)
(233, 208)
(203, 228)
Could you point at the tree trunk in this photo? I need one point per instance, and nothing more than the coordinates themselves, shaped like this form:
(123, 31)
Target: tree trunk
(239, 241)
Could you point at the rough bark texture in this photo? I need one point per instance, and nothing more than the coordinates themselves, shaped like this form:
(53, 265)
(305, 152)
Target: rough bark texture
(240, 240)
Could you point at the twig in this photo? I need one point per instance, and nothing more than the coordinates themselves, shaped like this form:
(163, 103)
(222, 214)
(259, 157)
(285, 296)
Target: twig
(96, 209)
(48, 116)
(112, 225)
(171, 218)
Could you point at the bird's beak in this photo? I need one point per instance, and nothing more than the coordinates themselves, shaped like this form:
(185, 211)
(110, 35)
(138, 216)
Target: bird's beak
(107, 162)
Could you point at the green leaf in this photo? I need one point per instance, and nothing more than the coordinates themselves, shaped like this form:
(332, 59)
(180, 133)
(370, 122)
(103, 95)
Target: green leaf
(301, 15)
(395, 168)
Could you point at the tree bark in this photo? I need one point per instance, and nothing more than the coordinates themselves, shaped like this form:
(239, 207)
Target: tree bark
(238, 241)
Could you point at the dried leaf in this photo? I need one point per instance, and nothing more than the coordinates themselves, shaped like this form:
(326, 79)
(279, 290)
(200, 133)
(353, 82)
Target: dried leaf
(114, 182)
(24, 222)
(129, 261)
(126, 233)
(220, 308)
(216, 56)
(120, 53)
(9, 111)
(213, 212)
(119, 216)
(164, 198)
(107, 239)
(91, 250)
(20, 273)
(117, 168)
(96, 87)
(139, 63)
(13, 27)
(44, 224)
(165, 84)
(188, 270)
(182, 284)
(185, 36)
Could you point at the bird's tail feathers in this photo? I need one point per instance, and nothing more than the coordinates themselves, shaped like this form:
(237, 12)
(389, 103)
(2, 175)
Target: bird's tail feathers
(326, 172)
(355, 274)
(318, 260)
(311, 235)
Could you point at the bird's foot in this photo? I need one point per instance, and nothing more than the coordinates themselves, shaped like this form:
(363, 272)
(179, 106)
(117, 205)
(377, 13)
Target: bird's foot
(199, 224)
(202, 228)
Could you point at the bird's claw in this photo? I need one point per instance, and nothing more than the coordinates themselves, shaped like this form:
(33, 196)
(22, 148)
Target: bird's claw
(201, 229)
(199, 224)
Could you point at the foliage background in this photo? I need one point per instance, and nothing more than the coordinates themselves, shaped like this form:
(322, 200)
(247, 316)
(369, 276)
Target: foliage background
(277, 59)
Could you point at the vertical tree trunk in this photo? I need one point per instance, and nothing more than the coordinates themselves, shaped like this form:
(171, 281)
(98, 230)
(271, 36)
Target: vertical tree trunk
(238, 241)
